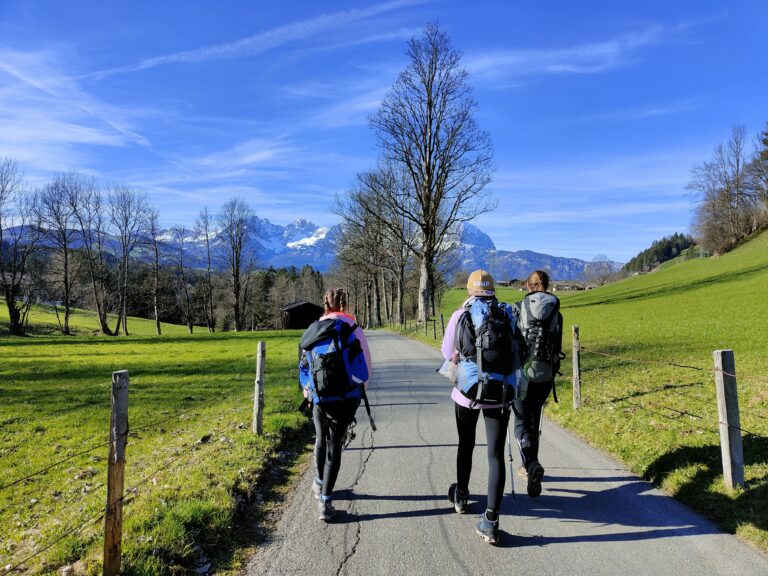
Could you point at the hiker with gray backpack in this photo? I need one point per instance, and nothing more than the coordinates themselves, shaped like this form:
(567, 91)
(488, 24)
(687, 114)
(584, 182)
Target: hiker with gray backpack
(541, 324)
(334, 370)
(482, 348)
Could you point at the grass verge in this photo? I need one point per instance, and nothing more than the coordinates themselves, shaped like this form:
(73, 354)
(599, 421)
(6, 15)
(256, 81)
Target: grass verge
(194, 469)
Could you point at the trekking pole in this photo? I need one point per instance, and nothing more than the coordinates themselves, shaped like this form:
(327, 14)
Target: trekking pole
(511, 465)
(368, 409)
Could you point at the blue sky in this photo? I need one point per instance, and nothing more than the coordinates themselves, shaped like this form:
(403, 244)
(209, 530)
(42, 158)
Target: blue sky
(597, 110)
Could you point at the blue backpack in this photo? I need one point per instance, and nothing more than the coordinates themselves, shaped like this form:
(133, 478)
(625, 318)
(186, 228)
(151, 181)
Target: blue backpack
(332, 365)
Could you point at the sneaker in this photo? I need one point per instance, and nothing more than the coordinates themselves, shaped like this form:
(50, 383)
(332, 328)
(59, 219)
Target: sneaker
(487, 530)
(522, 472)
(458, 498)
(326, 510)
(535, 474)
(317, 488)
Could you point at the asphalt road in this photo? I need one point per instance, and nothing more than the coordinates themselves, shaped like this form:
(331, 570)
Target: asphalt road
(592, 518)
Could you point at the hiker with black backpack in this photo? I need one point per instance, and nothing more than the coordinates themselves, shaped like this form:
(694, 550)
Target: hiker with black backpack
(334, 370)
(541, 324)
(481, 345)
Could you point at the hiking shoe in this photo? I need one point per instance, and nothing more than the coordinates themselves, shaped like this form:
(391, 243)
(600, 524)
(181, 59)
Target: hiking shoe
(487, 530)
(535, 474)
(522, 472)
(326, 510)
(458, 498)
(317, 488)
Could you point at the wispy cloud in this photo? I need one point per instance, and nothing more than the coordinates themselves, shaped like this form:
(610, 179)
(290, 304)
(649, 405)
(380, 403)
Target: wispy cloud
(589, 58)
(267, 40)
(47, 119)
(585, 58)
(641, 112)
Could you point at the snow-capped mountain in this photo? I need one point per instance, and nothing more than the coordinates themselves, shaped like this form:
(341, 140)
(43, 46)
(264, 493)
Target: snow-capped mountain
(302, 242)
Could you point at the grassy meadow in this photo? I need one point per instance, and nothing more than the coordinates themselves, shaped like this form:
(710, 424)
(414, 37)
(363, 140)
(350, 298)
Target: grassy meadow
(660, 419)
(193, 465)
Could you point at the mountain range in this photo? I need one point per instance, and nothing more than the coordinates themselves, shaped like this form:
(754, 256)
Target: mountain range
(302, 242)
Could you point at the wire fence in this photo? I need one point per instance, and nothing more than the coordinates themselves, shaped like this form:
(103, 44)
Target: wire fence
(129, 494)
(689, 367)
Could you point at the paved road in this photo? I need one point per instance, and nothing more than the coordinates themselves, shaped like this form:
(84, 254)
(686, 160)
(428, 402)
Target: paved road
(593, 517)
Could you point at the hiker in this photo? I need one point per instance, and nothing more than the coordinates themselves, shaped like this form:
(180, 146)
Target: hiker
(334, 370)
(541, 324)
(484, 382)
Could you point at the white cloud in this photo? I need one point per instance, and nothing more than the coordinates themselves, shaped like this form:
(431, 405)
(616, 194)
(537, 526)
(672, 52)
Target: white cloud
(267, 40)
(47, 119)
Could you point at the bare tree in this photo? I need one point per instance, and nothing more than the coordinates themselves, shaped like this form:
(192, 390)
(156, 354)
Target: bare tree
(204, 229)
(20, 233)
(598, 271)
(235, 230)
(58, 218)
(87, 204)
(153, 228)
(426, 124)
(128, 212)
(183, 282)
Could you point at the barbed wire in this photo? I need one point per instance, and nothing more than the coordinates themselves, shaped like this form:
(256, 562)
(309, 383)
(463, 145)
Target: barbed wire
(748, 377)
(42, 470)
(128, 495)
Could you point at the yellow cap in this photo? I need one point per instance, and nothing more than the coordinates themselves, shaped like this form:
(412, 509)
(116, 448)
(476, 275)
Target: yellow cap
(480, 283)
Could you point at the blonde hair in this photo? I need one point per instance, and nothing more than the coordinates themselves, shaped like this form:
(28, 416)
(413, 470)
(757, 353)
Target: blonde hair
(537, 278)
(335, 300)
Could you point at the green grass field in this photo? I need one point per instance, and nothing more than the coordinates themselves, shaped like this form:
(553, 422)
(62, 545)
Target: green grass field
(660, 419)
(192, 461)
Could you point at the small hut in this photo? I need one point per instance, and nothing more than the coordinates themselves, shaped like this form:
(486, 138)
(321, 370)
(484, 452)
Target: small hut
(299, 314)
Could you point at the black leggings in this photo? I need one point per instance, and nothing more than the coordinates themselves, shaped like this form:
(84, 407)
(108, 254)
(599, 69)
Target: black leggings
(528, 420)
(496, 421)
(331, 421)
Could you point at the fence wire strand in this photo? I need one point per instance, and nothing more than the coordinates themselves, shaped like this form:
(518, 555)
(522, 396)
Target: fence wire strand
(128, 495)
(43, 470)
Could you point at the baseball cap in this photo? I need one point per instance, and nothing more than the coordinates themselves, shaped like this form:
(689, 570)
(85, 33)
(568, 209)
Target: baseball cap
(480, 283)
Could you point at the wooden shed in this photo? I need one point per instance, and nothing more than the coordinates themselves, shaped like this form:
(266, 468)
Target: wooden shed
(299, 314)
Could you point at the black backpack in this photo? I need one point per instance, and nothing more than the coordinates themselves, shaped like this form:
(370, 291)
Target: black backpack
(541, 324)
(485, 336)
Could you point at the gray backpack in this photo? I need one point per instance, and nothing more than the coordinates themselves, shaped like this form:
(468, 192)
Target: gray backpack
(541, 324)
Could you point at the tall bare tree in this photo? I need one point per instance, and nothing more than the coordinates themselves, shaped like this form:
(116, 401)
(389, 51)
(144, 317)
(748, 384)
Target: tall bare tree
(58, 219)
(87, 204)
(183, 280)
(20, 233)
(725, 213)
(235, 221)
(426, 124)
(128, 212)
(153, 228)
(204, 229)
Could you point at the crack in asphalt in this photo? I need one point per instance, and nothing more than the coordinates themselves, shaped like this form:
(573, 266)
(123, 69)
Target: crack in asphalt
(358, 526)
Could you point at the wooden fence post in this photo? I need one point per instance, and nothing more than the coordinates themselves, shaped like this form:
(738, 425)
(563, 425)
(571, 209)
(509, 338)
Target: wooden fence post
(728, 415)
(118, 438)
(434, 329)
(426, 322)
(576, 368)
(442, 324)
(258, 393)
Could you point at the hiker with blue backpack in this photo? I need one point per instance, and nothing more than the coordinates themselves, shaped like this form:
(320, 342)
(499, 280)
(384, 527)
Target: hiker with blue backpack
(541, 324)
(334, 370)
(483, 347)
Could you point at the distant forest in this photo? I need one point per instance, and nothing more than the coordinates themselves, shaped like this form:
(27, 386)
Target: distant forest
(660, 251)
